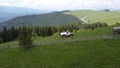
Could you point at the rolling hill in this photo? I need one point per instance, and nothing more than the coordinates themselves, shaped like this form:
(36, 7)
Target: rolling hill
(53, 18)
(90, 16)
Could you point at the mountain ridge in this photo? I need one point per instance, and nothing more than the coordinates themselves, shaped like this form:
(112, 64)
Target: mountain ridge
(53, 18)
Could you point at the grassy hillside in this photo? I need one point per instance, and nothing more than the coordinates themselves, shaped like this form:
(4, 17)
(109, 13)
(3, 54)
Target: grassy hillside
(85, 54)
(87, 49)
(90, 16)
(97, 48)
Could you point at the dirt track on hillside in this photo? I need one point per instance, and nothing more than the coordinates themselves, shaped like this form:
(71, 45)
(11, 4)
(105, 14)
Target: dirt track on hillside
(63, 40)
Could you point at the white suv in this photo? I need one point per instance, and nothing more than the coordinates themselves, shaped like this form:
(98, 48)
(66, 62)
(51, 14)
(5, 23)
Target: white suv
(66, 34)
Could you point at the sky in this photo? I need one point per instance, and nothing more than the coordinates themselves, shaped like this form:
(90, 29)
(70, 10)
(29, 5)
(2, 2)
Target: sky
(63, 4)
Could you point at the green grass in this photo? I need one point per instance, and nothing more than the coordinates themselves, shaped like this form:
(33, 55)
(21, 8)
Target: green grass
(94, 16)
(97, 32)
(46, 39)
(79, 54)
(87, 49)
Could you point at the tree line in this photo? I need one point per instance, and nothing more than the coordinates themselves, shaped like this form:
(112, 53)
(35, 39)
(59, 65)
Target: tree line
(24, 34)
(13, 33)
(8, 34)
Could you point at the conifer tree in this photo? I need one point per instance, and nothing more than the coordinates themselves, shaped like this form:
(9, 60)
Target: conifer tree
(25, 38)
(1, 41)
(4, 34)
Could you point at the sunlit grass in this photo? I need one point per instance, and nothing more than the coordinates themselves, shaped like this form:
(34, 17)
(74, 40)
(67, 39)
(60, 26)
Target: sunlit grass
(95, 16)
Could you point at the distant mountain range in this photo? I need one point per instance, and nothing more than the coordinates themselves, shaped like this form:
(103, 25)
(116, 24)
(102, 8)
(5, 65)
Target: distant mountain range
(7, 13)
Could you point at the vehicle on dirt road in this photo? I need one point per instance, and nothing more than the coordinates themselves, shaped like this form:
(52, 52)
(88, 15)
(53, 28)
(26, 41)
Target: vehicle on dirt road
(66, 34)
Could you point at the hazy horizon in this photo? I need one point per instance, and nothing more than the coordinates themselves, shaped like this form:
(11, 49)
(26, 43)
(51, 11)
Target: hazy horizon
(63, 4)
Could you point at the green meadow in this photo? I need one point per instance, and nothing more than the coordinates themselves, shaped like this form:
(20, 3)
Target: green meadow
(97, 48)
(90, 16)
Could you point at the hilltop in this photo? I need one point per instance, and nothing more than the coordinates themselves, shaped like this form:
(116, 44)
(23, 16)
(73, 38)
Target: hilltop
(91, 16)
(53, 18)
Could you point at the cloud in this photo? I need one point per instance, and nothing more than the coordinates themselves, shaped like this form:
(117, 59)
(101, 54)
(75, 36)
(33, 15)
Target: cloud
(62, 4)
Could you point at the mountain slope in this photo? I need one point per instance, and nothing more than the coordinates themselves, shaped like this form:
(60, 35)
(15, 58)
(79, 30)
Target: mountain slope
(53, 18)
(90, 16)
